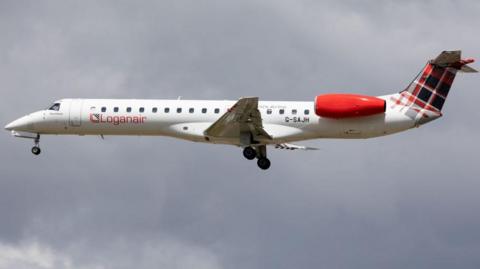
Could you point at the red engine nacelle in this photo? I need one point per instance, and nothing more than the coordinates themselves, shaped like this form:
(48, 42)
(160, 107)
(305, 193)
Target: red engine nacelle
(340, 106)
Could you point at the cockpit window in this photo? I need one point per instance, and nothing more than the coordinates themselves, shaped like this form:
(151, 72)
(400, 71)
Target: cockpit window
(55, 107)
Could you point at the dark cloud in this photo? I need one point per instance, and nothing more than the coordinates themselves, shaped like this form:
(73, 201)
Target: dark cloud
(407, 200)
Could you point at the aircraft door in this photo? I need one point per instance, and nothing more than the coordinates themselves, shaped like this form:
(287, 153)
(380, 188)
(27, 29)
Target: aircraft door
(75, 115)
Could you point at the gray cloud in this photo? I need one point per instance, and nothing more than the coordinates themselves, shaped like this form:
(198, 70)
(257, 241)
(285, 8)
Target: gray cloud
(407, 200)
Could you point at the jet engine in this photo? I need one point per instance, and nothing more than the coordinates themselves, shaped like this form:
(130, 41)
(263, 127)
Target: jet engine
(339, 106)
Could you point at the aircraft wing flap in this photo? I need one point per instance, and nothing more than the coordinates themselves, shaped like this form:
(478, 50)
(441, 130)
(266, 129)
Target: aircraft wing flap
(293, 147)
(243, 116)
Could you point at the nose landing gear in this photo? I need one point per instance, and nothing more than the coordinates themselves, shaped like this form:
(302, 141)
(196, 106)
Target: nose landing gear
(36, 138)
(259, 152)
(36, 149)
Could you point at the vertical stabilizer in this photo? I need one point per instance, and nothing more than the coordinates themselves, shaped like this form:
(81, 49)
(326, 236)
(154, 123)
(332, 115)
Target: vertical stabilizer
(425, 96)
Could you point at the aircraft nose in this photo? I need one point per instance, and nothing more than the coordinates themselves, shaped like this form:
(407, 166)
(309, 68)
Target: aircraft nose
(9, 126)
(21, 124)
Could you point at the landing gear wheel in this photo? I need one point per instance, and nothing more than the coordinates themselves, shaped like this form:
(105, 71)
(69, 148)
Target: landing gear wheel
(249, 153)
(263, 163)
(36, 150)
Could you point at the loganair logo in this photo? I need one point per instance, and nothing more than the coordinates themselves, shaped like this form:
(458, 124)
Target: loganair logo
(116, 120)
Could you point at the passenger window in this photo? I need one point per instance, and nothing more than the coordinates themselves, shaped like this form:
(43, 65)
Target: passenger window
(269, 111)
(129, 109)
(104, 109)
(204, 110)
(294, 112)
(115, 109)
(142, 109)
(167, 109)
(281, 111)
(191, 110)
(55, 107)
(179, 110)
(154, 110)
(307, 111)
(217, 110)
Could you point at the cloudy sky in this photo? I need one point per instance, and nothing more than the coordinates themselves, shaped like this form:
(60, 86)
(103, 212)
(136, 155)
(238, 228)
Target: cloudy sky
(410, 200)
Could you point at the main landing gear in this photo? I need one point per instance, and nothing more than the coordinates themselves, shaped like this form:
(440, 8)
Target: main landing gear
(263, 163)
(36, 149)
(249, 153)
(259, 152)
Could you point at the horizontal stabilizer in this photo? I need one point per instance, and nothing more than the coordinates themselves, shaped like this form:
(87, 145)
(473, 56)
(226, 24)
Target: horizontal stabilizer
(447, 57)
(468, 69)
(293, 147)
(454, 59)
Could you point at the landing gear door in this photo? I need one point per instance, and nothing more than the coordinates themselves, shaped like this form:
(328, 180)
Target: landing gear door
(75, 118)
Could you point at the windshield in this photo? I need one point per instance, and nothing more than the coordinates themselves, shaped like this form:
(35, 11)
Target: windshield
(55, 107)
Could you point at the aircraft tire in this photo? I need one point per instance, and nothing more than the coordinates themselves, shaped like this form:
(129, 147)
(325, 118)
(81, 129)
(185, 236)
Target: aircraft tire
(249, 153)
(36, 150)
(263, 163)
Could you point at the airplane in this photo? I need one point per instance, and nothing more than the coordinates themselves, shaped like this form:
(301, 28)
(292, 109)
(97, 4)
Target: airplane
(252, 124)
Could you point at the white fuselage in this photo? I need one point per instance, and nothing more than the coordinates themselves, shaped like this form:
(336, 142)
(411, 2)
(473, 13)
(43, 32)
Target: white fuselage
(188, 119)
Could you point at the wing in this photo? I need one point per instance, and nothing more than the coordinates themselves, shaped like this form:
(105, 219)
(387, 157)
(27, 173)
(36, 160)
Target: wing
(293, 147)
(243, 117)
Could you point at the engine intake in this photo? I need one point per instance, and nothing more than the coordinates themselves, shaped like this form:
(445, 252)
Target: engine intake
(339, 106)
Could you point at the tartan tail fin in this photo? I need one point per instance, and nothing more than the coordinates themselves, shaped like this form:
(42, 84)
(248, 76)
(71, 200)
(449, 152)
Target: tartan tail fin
(429, 89)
